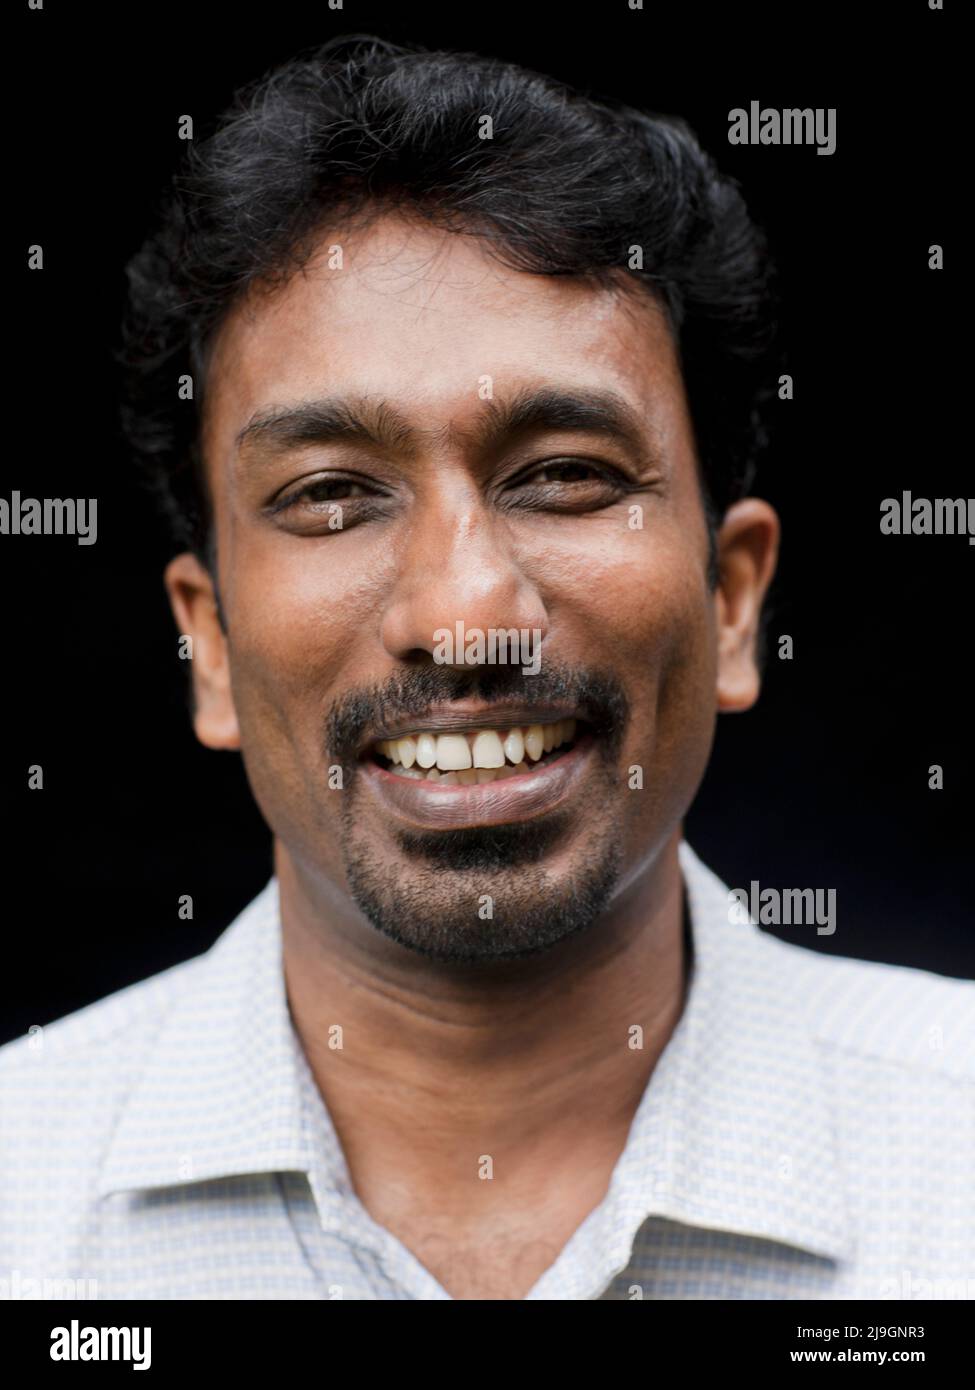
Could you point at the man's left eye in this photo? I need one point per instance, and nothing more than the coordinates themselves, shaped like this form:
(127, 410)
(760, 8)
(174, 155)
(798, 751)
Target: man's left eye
(575, 473)
(571, 486)
(570, 471)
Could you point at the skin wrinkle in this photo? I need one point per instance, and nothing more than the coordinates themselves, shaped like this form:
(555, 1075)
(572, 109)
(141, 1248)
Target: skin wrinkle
(524, 1058)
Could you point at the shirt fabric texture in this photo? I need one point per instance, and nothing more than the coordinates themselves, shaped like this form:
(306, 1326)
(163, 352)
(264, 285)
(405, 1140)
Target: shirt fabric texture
(807, 1133)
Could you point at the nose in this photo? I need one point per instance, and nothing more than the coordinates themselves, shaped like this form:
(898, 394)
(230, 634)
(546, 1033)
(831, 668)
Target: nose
(456, 563)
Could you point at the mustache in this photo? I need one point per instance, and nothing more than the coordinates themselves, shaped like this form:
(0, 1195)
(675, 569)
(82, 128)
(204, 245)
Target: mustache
(598, 695)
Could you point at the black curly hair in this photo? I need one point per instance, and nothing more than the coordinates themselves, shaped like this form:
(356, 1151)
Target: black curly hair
(568, 185)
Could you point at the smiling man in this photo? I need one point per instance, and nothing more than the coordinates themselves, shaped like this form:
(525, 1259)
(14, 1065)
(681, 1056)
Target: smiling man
(471, 353)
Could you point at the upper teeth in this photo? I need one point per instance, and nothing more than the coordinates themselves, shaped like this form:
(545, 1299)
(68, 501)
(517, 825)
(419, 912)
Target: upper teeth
(478, 748)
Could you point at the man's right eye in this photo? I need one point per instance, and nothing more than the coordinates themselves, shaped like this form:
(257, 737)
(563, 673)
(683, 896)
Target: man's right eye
(321, 491)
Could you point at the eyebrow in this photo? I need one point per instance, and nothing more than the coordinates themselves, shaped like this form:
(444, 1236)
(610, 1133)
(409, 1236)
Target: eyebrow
(377, 424)
(330, 421)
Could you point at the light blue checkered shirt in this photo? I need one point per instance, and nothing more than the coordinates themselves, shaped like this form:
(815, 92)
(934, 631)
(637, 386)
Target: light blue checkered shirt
(809, 1132)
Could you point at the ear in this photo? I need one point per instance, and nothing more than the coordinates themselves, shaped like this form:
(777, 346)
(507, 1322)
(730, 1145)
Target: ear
(748, 547)
(194, 603)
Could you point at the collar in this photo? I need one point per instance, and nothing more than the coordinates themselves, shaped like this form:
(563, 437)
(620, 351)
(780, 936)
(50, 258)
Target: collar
(733, 1133)
(219, 1096)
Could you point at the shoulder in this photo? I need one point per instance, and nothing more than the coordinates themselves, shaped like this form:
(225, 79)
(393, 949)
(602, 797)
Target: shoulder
(890, 1015)
(62, 1085)
(101, 1045)
(63, 1088)
(109, 1028)
(67, 1088)
(884, 1016)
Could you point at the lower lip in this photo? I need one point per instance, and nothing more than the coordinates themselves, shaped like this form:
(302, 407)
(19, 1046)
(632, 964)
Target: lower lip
(429, 806)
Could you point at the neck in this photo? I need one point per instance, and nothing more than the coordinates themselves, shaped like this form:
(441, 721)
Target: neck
(531, 1051)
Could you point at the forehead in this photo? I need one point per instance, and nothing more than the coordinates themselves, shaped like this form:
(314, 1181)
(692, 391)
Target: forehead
(430, 321)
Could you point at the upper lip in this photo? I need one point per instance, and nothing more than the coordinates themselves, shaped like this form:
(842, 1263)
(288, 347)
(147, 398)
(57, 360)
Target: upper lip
(448, 718)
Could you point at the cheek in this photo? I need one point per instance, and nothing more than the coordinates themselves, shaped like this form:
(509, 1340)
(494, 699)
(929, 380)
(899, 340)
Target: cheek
(296, 636)
(640, 605)
(298, 627)
(685, 704)
(636, 600)
(674, 701)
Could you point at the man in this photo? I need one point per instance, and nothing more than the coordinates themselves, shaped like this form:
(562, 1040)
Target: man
(468, 568)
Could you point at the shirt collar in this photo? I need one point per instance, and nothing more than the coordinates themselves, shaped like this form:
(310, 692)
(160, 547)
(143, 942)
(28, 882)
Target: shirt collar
(733, 1132)
(219, 1096)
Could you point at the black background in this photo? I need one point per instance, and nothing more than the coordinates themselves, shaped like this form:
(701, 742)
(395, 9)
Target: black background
(823, 784)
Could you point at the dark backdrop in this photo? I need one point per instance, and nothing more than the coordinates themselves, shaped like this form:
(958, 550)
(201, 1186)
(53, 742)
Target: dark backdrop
(823, 784)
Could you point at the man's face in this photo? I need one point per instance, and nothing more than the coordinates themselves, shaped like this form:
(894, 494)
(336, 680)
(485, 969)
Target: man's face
(483, 447)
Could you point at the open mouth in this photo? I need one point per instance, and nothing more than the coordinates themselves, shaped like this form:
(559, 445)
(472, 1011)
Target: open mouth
(476, 756)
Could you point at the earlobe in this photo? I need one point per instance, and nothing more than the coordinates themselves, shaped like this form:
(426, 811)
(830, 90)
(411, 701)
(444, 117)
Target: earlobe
(748, 542)
(193, 599)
